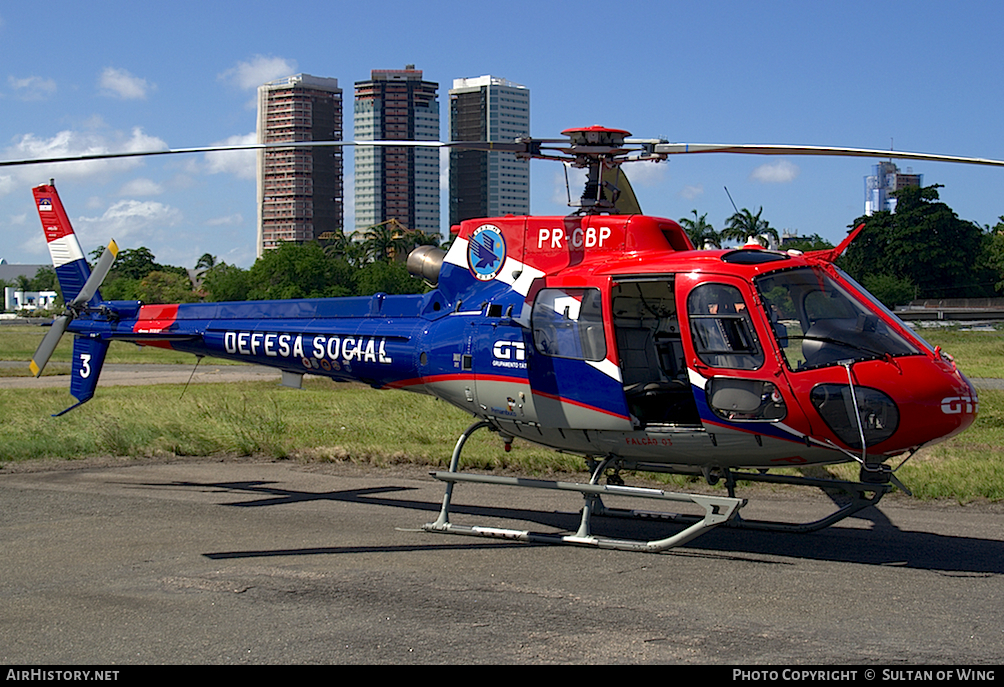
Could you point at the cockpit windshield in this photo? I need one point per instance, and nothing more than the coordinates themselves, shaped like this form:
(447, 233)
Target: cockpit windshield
(818, 322)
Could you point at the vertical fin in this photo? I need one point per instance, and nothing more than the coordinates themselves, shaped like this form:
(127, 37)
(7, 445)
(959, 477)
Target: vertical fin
(68, 259)
(88, 359)
(831, 254)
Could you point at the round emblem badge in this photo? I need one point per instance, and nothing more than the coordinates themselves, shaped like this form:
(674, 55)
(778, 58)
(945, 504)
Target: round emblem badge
(486, 252)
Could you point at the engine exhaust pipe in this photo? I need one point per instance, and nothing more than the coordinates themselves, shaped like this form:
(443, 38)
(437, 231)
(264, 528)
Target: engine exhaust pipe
(425, 262)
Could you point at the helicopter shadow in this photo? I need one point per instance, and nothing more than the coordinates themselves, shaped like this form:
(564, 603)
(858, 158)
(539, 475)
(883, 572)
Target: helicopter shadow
(884, 543)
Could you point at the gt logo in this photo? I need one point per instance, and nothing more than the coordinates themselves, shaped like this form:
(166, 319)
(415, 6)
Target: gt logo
(509, 350)
(953, 405)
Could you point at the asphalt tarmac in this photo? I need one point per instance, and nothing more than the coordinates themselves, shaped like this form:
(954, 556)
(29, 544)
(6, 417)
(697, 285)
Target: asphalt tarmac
(243, 562)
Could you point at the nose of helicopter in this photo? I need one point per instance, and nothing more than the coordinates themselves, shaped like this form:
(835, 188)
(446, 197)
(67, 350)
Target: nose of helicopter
(938, 402)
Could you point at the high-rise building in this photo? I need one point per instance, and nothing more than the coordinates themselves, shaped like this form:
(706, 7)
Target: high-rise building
(488, 183)
(885, 179)
(391, 182)
(300, 191)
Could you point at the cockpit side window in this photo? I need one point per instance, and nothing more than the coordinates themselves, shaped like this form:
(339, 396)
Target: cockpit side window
(721, 327)
(568, 323)
(818, 322)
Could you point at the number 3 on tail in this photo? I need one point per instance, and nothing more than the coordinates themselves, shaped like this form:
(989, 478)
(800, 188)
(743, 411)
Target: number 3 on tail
(85, 365)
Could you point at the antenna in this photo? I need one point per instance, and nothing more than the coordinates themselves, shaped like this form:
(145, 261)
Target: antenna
(730, 199)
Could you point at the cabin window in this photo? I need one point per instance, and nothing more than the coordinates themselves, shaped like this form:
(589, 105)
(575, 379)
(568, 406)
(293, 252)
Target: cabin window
(721, 328)
(749, 400)
(568, 323)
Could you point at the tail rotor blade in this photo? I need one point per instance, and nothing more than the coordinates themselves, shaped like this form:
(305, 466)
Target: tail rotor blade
(97, 276)
(48, 345)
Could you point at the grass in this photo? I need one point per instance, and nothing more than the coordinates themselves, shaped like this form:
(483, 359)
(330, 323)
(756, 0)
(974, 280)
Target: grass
(978, 354)
(18, 343)
(326, 422)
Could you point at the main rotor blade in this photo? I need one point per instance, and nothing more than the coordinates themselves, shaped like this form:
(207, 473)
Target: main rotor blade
(533, 148)
(753, 149)
(97, 276)
(214, 149)
(48, 345)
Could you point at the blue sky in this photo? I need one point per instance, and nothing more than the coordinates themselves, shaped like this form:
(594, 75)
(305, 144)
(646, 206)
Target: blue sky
(922, 76)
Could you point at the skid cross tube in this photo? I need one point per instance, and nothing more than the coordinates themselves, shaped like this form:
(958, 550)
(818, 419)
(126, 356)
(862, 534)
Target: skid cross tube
(717, 509)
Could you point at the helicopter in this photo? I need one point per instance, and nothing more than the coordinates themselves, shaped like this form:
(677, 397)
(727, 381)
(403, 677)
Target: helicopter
(602, 333)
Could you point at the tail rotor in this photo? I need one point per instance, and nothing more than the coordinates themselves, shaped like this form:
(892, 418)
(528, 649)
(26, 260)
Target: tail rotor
(73, 309)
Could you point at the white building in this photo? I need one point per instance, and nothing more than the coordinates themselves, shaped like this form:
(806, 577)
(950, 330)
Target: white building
(390, 182)
(885, 179)
(482, 183)
(16, 300)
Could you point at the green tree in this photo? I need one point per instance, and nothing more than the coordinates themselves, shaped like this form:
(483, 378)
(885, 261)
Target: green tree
(700, 232)
(347, 247)
(133, 263)
(165, 287)
(890, 290)
(223, 282)
(391, 240)
(923, 242)
(807, 243)
(299, 271)
(387, 277)
(744, 225)
(206, 262)
(992, 256)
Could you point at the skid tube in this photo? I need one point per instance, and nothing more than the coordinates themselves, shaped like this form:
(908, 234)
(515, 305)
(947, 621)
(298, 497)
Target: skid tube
(717, 509)
(862, 495)
(856, 490)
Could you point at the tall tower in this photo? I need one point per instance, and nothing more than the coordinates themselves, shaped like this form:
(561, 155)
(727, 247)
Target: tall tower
(483, 183)
(884, 179)
(300, 191)
(390, 182)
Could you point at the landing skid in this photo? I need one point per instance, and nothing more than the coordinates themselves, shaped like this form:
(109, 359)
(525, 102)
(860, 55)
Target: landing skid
(858, 491)
(862, 495)
(717, 509)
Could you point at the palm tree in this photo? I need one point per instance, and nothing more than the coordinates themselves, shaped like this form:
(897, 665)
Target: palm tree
(381, 240)
(744, 225)
(701, 233)
(344, 246)
(391, 240)
(206, 262)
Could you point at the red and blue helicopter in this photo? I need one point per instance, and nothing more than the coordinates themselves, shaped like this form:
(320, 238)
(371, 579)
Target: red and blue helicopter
(602, 333)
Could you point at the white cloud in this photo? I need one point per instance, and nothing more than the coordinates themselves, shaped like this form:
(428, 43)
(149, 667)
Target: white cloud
(780, 172)
(258, 70)
(141, 187)
(72, 143)
(17, 220)
(119, 83)
(645, 174)
(32, 87)
(692, 192)
(241, 163)
(34, 244)
(127, 221)
(234, 220)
